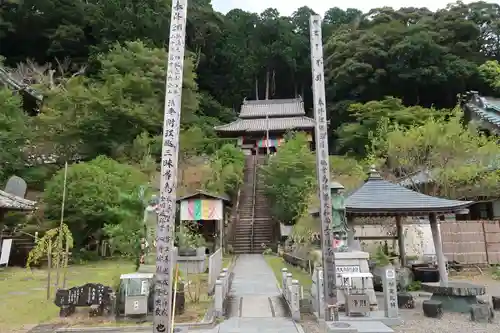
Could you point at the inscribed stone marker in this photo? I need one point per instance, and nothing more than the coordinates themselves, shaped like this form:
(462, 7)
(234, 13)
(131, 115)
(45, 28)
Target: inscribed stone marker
(390, 292)
(322, 164)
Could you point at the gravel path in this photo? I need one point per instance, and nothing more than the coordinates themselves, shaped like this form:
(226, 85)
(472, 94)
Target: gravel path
(415, 321)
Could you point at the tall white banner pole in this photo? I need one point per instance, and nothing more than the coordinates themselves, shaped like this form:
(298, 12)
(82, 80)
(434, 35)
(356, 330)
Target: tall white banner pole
(323, 168)
(162, 321)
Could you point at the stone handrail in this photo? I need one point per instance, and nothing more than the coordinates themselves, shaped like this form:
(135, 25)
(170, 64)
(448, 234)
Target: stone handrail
(221, 292)
(290, 290)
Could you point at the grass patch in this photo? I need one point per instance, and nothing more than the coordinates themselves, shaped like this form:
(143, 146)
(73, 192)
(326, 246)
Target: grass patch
(277, 263)
(23, 295)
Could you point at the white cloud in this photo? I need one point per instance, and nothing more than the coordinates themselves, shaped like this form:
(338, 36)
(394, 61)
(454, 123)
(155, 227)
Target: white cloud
(287, 7)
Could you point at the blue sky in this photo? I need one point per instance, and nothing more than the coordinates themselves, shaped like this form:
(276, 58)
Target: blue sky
(286, 7)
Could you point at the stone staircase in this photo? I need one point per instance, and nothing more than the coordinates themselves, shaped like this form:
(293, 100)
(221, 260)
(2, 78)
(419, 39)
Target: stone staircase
(253, 227)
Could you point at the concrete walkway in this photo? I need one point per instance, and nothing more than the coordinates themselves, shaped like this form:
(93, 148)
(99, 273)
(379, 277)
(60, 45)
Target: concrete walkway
(256, 305)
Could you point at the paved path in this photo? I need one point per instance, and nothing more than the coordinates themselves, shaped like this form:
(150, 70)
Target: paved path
(256, 303)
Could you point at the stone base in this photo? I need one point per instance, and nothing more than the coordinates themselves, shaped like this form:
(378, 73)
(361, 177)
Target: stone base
(458, 304)
(481, 313)
(355, 259)
(373, 316)
(495, 301)
(432, 308)
(358, 327)
(406, 301)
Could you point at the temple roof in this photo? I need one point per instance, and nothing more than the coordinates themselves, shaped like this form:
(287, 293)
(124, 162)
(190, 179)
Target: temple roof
(381, 197)
(272, 124)
(486, 108)
(11, 202)
(272, 108)
(273, 115)
(198, 194)
(8, 80)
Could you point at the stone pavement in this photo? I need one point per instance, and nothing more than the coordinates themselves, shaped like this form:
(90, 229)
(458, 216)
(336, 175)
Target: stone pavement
(256, 304)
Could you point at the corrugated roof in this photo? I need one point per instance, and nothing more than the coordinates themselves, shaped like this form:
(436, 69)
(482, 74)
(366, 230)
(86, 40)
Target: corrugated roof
(379, 196)
(261, 124)
(272, 108)
(12, 202)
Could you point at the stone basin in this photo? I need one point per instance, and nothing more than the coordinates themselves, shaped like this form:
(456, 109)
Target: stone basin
(456, 296)
(454, 288)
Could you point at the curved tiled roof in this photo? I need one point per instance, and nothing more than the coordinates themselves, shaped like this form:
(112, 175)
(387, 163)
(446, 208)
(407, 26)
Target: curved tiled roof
(379, 196)
(272, 108)
(261, 124)
(486, 108)
(12, 202)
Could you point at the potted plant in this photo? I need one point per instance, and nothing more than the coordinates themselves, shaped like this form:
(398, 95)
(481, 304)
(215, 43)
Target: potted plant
(189, 243)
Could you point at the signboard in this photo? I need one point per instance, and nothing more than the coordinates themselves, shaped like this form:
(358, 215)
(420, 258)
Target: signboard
(390, 274)
(5, 255)
(322, 164)
(144, 287)
(348, 269)
(162, 320)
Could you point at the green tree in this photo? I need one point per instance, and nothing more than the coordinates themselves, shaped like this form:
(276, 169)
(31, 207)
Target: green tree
(125, 237)
(104, 114)
(354, 136)
(458, 162)
(289, 179)
(14, 133)
(490, 71)
(94, 191)
(227, 166)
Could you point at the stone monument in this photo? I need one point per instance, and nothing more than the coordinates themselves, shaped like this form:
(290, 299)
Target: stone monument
(349, 260)
(147, 261)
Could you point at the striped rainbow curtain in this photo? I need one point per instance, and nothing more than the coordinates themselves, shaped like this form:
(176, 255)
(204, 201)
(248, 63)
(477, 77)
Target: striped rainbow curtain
(201, 209)
(272, 143)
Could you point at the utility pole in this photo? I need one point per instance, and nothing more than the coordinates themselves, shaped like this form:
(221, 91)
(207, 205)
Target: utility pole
(323, 168)
(163, 321)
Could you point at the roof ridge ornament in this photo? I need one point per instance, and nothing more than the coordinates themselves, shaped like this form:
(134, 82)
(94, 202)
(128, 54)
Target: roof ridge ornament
(373, 174)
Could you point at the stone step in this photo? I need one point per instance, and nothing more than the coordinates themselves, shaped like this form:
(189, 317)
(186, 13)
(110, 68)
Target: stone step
(255, 228)
(242, 235)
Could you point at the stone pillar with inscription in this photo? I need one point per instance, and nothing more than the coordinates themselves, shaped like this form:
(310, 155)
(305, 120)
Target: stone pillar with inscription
(323, 167)
(390, 292)
(165, 253)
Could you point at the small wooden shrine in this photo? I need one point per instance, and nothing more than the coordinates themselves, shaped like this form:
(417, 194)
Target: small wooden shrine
(208, 210)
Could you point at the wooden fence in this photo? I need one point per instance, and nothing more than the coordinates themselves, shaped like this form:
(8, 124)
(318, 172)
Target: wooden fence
(472, 242)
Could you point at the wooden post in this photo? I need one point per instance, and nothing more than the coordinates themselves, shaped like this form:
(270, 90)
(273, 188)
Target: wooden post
(49, 264)
(401, 241)
(163, 315)
(323, 168)
(60, 256)
(436, 237)
(66, 261)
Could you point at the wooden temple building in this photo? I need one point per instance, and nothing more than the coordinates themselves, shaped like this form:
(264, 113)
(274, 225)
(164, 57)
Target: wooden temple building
(262, 124)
